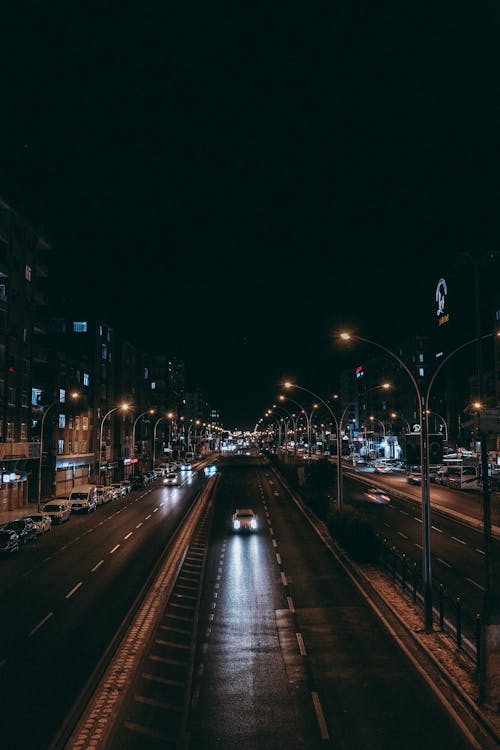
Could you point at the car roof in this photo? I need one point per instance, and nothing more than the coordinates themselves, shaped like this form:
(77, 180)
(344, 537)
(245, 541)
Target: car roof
(244, 512)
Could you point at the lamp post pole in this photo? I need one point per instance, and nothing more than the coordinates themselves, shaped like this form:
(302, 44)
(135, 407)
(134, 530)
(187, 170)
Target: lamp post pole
(423, 400)
(154, 439)
(124, 407)
(73, 396)
(148, 411)
(340, 499)
(41, 454)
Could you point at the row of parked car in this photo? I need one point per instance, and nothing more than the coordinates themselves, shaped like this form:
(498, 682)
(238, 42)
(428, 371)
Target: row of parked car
(84, 498)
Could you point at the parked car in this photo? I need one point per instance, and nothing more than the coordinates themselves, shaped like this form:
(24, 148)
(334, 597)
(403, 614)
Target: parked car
(82, 498)
(127, 484)
(102, 494)
(244, 519)
(120, 489)
(9, 541)
(42, 521)
(24, 528)
(59, 510)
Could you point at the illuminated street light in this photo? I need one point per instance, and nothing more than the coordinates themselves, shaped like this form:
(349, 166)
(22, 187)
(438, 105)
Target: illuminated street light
(74, 395)
(423, 399)
(123, 407)
(148, 411)
(375, 419)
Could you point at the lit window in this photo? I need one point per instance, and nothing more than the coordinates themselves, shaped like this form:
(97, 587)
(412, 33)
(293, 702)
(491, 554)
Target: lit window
(104, 351)
(62, 420)
(36, 396)
(62, 396)
(24, 431)
(153, 385)
(86, 378)
(79, 326)
(421, 372)
(420, 357)
(85, 423)
(27, 273)
(146, 373)
(60, 446)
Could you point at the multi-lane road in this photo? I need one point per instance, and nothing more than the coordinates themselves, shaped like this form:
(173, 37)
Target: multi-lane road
(289, 654)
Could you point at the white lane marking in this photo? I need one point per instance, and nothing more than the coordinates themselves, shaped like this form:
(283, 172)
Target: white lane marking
(114, 549)
(302, 647)
(128, 535)
(474, 583)
(387, 524)
(147, 517)
(278, 558)
(320, 717)
(275, 543)
(139, 525)
(417, 519)
(155, 510)
(283, 579)
(290, 604)
(404, 513)
(481, 551)
(460, 541)
(444, 562)
(97, 566)
(271, 531)
(418, 545)
(75, 588)
(42, 622)
(436, 529)
(403, 535)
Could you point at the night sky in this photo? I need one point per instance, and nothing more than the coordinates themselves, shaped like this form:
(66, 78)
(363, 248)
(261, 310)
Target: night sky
(231, 184)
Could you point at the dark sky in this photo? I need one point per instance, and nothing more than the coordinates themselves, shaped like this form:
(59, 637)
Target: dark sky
(231, 184)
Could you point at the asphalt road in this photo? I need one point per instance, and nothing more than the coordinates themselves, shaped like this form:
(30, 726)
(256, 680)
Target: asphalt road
(290, 653)
(62, 599)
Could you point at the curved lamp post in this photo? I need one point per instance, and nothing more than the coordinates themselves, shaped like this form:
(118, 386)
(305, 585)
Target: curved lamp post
(47, 409)
(340, 499)
(423, 400)
(375, 419)
(435, 414)
(123, 407)
(148, 411)
(307, 416)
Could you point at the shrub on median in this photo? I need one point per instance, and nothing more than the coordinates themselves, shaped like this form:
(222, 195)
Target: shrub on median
(356, 535)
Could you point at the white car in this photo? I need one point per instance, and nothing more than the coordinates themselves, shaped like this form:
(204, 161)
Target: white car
(244, 519)
(186, 466)
(102, 494)
(171, 477)
(42, 521)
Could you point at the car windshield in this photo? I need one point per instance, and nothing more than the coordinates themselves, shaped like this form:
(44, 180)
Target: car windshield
(53, 507)
(245, 515)
(79, 495)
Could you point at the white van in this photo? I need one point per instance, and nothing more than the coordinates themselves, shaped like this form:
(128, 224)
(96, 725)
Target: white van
(59, 510)
(82, 498)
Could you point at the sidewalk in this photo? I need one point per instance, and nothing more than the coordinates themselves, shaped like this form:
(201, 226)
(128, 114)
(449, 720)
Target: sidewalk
(26, 510)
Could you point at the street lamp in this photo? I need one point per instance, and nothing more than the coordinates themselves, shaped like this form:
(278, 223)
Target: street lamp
(400, 416)
(123, 407)
(340, 499)
(435, 414)
(307, 416)
(423, 400)
(48, 408)
(375, 419)
(148, 411)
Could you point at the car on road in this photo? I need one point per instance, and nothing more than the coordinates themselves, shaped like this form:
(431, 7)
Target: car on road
(24, 528)
(244, 519)
(186, 466)
(414, 477)
(9, 541)
(42, 521)
(383, 468)
(377, 495)
(171, 477)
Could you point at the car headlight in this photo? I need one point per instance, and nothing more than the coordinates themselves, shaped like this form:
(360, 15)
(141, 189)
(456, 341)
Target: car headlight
(236, 524)
(253, 523)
